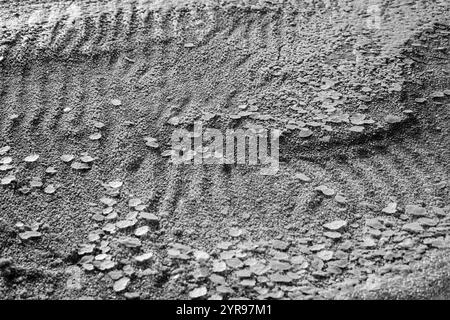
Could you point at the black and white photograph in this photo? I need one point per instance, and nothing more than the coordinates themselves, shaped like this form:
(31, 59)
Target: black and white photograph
(223, 155)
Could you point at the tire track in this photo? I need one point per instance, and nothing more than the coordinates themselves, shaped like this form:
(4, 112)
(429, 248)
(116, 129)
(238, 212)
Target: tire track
(42, 95)
(75, 43)
(102, 24)
(8, 109)
(57, 95)
(152, 75)
(29, 91)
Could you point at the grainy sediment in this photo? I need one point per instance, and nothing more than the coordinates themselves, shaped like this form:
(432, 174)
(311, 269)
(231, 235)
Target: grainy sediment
(297, 65)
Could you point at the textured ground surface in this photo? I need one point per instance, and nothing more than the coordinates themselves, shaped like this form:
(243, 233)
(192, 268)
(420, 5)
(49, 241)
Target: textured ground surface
(364, 109)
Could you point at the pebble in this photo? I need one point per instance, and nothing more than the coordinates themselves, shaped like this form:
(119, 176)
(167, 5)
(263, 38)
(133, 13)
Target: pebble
(336, 225)
(235, 232)
(391, 119)
(325, 255)
(116, 102)
(50, 189)
(201, 255)
(121, 284)
(31, 158)
(413, 227)
(280, 245)
(150, 217)
(124, 224)
(141, 231)
(235, 263)
(333, 235)
(280, 278)
(298, 259)
(279, 266)
(198, 293)
(86, 248)
(415, 210)
(79, 166)
(427, 222)
(340, 199)
(374, 223)
(132, 295)
(115, 274)
(130, 242)
(391, 208)
(144, 257)
(325, 190)
(29, 235)
(134, 202)
(106, 265)
(67, 157)
(368, 243)
(219, 266)
(302, 177)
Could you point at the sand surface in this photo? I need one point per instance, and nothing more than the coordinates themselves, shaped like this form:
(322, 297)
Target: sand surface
(362, 98)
